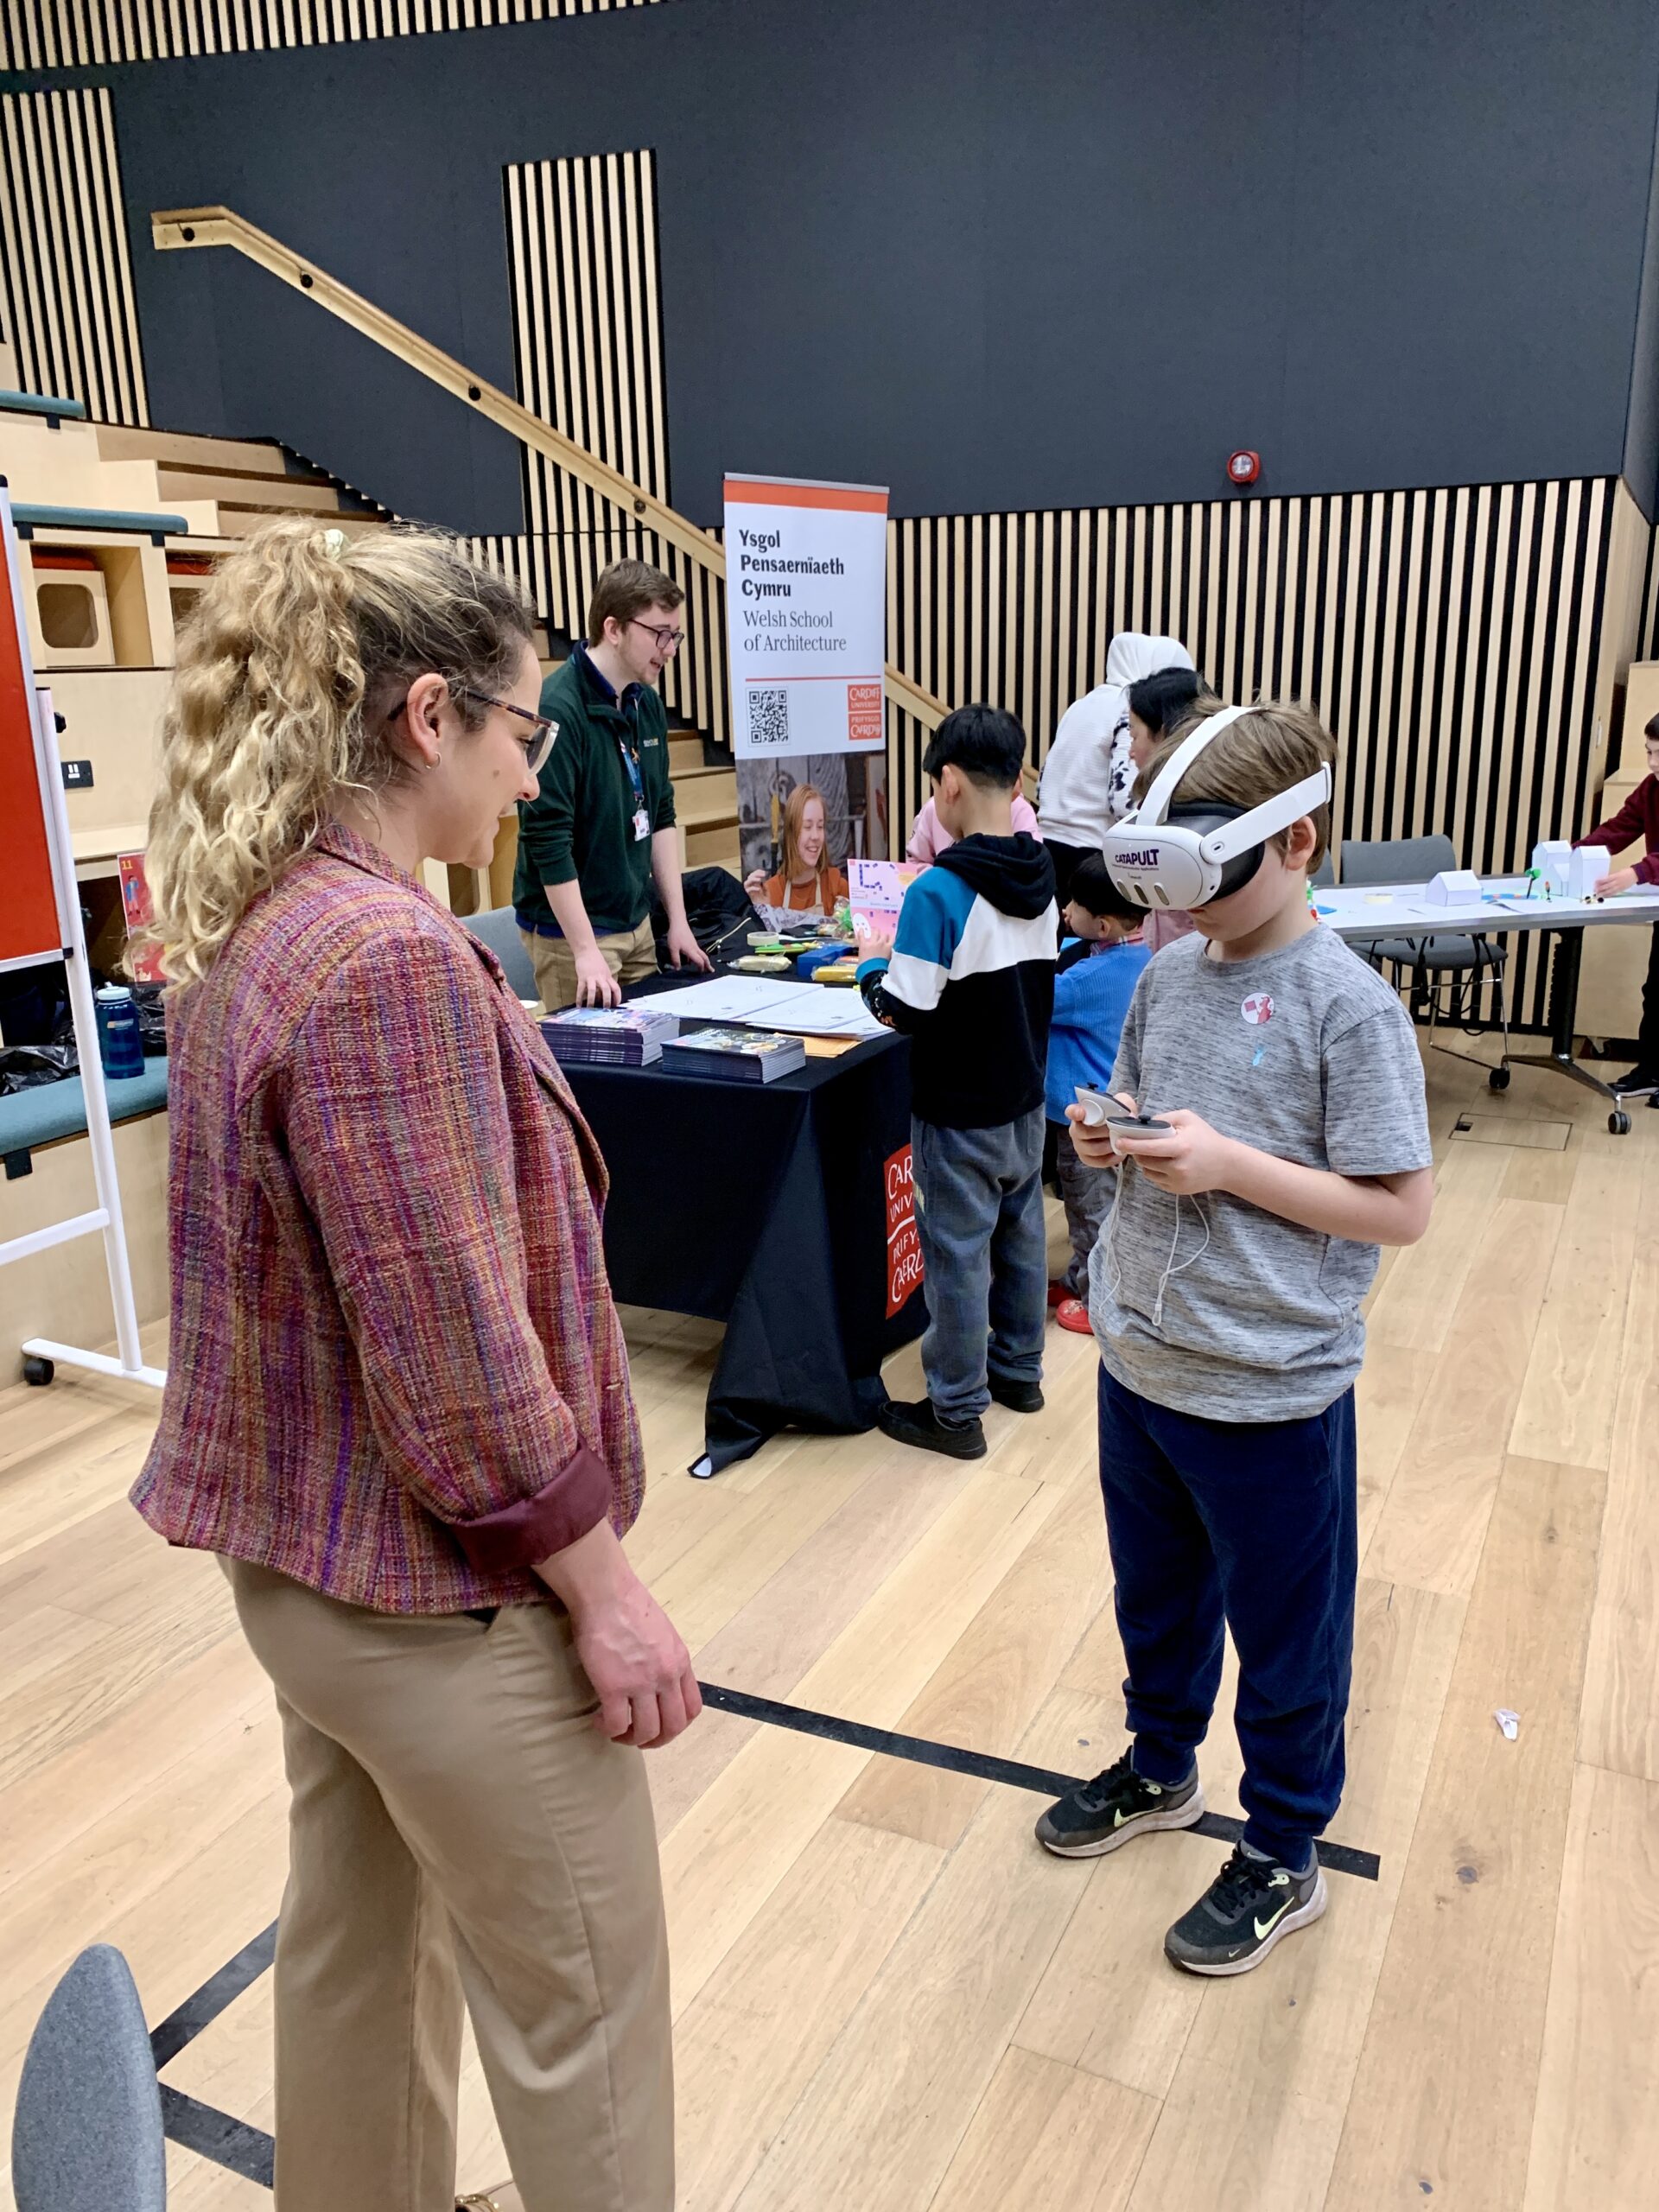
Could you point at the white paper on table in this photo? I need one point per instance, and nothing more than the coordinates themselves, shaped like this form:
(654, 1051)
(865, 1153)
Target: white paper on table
(835, 1013)
(774, 1003)
(733, 998)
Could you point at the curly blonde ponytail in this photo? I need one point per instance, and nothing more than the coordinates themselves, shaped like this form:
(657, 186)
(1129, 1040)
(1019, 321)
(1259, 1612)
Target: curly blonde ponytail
(297, 651)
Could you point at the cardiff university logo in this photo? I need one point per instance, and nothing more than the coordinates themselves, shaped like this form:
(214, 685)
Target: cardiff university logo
(1257, 1009)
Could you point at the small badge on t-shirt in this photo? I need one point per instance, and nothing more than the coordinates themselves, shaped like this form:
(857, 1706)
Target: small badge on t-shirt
(1257, 1009)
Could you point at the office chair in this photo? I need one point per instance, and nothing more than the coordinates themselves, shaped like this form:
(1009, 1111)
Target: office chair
(1443, 960)
(86, 2131)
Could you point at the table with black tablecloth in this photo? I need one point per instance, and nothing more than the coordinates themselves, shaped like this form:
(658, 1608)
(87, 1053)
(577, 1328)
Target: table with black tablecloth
(767, 1207)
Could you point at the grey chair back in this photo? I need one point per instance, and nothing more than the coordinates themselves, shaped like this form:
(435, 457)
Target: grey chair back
(1325, 876)
(1396, 860)
(87, 2131)
(498, 928)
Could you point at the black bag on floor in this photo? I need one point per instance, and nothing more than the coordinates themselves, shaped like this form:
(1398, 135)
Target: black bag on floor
(717, 907)
(25, 1067)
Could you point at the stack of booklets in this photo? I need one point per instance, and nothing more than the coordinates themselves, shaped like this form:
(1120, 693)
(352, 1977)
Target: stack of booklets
(610, 1036)
(739, 1055)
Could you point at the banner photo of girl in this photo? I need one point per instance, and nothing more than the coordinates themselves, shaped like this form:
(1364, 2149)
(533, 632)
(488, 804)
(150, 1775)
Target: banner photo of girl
(801, 817)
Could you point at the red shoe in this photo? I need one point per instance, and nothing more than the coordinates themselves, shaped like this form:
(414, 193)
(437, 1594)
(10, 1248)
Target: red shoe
(1057, 1294)
(1073, 1314)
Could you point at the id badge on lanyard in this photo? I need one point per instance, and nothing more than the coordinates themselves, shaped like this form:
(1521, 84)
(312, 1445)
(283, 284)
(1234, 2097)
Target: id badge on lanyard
(641, 816)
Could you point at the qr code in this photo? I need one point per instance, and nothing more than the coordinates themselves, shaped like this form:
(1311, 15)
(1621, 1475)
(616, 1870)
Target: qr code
(769, 717)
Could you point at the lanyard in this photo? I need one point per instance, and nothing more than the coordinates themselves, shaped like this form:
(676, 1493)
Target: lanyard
(631, 762)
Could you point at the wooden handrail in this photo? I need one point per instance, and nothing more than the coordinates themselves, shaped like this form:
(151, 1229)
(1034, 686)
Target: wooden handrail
(182, 228)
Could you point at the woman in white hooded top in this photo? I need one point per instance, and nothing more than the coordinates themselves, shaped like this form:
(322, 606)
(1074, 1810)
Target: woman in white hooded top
(1088, 777)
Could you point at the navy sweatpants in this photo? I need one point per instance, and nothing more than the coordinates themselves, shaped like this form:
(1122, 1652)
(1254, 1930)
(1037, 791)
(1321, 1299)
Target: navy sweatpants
(1252, 1524)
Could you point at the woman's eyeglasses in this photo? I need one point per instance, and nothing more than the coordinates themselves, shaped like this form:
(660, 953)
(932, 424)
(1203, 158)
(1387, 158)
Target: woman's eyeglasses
(543, 728)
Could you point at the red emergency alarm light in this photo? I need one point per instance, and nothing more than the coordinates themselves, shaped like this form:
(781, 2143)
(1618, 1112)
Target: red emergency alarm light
(1244, 466)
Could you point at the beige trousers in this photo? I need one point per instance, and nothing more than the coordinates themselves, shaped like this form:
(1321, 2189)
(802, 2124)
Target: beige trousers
(459, 1830)
(630, 956)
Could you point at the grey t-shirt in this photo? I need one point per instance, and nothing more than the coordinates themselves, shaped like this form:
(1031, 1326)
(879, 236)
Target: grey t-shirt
(1208, 1304)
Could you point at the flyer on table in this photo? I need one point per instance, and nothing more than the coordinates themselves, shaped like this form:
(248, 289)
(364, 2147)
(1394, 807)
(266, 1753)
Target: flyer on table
(806, 600)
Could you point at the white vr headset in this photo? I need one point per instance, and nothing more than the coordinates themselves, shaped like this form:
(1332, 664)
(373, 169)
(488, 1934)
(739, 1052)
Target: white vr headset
(1185, 853)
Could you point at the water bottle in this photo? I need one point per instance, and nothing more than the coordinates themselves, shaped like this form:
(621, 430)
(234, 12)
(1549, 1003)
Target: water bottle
(120, 1040)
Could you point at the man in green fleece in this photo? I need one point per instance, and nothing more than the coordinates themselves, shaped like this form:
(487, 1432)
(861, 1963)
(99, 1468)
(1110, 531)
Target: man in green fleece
(602, 827)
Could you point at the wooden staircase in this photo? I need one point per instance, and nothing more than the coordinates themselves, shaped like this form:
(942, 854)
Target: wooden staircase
(222, 489)
(248, 481)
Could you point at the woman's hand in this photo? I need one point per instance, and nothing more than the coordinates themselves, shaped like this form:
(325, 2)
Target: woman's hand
(874, 947)
(1187, 1158)
(640, 1668)
(755, 885)
(632, 1655)
(1620, 880)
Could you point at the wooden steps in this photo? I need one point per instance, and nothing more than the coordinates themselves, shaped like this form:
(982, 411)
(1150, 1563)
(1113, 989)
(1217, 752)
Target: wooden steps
(267, 494)
(183, 448)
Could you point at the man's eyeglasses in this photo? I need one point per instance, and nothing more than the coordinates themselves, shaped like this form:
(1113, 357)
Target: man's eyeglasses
(543, 728)
(668, 641)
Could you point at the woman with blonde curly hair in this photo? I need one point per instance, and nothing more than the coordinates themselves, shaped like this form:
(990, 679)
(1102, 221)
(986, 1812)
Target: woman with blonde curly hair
(398, 1404)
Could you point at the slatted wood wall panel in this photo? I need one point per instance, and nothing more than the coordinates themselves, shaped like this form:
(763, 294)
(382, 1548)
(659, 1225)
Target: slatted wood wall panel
(581, 244)
(1450, 637)
(1454, 639)
(71, 34)
(66, 282)
(1648, 644)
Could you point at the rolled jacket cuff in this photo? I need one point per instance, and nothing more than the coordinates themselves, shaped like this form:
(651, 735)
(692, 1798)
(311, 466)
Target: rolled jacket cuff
(1647, 868)
(517, 1537)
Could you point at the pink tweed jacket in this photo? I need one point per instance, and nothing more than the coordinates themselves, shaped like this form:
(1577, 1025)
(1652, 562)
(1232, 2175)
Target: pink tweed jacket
(395, 1372)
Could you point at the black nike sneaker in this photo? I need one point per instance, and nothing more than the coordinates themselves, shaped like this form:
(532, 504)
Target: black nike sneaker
(1249, 1906)
(1103, 1814)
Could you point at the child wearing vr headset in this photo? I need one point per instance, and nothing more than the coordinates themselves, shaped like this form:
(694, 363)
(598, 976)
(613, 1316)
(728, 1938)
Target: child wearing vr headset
(1271, 1134)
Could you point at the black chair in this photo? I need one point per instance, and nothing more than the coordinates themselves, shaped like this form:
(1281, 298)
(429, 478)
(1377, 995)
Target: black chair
(1454, 960)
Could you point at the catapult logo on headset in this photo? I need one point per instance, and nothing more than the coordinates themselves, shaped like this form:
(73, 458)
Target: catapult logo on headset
(1182, 855)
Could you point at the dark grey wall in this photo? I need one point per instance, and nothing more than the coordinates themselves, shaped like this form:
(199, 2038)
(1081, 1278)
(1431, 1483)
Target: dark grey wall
(996, 253)
(1641, 426)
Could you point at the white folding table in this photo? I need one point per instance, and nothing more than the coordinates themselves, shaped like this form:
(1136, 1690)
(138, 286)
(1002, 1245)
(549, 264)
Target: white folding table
(1506, 903)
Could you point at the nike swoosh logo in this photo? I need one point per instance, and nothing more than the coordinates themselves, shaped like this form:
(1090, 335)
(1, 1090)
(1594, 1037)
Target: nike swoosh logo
(1266, 1927)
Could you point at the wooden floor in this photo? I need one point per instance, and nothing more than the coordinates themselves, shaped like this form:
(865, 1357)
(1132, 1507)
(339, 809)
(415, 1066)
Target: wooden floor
(888, 1998)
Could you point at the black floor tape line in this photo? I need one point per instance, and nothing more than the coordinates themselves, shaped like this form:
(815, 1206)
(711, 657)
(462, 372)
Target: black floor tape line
(250, 2152)
(213, 2134)
(214, 1997)
(1340, 1858)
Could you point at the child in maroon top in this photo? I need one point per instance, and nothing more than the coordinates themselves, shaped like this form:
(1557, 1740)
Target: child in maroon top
(1638, 817)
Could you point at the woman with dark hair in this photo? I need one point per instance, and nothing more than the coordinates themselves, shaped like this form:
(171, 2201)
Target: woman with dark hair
(397, 1405)
(1156, 703)
(1088, 774)
(1173, 701)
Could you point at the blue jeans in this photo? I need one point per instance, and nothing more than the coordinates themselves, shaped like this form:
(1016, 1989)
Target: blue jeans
(1252, 1523)
(979, 1212)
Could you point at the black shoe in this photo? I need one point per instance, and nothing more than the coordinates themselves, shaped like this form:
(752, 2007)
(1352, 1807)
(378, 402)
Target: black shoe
(916, 1423)
(1019, 1397)
(1249, 1906)
(1639, 1079)
(1101, 1816)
